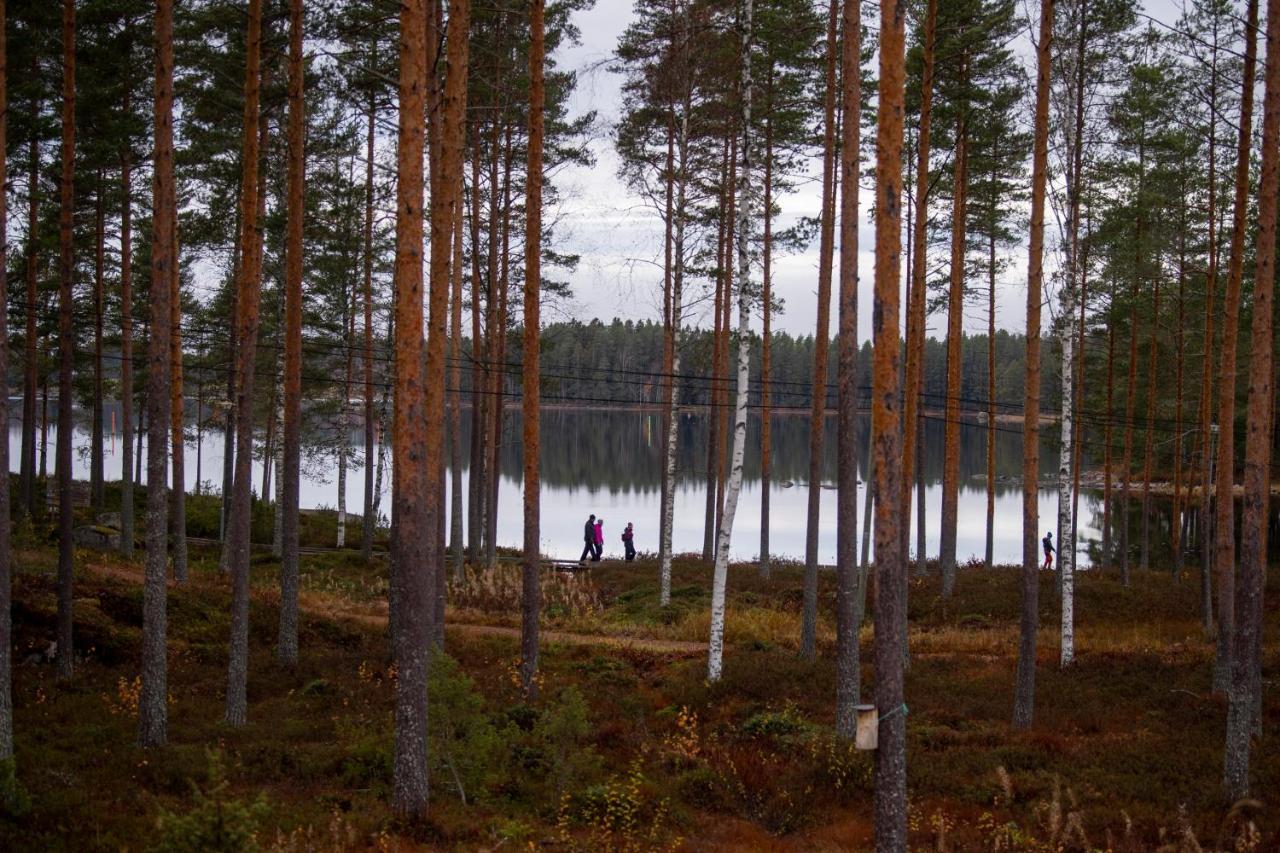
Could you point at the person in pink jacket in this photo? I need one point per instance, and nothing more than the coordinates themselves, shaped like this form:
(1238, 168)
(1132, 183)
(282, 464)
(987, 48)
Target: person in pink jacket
(599, 543)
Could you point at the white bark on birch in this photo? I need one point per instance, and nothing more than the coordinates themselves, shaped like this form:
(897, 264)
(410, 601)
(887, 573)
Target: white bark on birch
(1066, 542)
(715, 648)
(677, 310)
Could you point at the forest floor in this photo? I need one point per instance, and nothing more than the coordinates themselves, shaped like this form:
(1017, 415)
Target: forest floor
(627, 746)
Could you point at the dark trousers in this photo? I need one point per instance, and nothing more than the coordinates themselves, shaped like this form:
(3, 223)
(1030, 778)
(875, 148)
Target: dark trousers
(588, 548)
(631, 551)
(596, 550)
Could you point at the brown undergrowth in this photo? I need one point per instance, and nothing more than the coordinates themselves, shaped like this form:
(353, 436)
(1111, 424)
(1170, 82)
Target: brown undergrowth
(627, 747)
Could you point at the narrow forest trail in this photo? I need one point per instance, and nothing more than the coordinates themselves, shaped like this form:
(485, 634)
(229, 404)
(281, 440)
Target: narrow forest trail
(335, 608)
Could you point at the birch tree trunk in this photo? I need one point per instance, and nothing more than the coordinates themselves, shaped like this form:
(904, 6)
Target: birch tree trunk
(742, 232)
(1066, 428)
(677, 320)
(1242, 702)
(153, 712)
(1024, 695)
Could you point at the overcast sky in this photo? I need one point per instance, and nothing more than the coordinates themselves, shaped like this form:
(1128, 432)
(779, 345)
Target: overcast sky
(620, 239)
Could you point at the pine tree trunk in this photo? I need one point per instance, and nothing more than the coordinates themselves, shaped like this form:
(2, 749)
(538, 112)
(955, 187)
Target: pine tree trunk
(499, 344)
(456, 544)
(153, 702)
(955, 320)
(270, 443)
(229, 428)
(1131, 382)
(247, 306)
(344, 434)
(991, 384)
(475, 479)
(290, 472)
(913, 422)
(890, 778)
(821, 339)
(1175, 523)
(6, 564)
(97, 495)
(531, 598)
(1243, 703)
(66, 341)
(766, 337)
(277, 466)
(1153, 353)
(1024, 694)
(1224, 550)
(414, 487)
(178, 492)
(30, 366)
(369, 519)
(733, 487)
(1106, 443)
(713, 387)
(1205, 518)
(126, 345)
(848, 575)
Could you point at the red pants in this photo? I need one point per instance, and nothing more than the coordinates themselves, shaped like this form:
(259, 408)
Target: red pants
(1048, 561)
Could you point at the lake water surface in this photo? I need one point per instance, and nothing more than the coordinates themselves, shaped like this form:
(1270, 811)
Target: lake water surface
(610, 463)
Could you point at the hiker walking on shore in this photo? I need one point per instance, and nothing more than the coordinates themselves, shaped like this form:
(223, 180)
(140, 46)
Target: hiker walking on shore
(598, 539)
(588, 539)
(1047, 542)
(628, 540)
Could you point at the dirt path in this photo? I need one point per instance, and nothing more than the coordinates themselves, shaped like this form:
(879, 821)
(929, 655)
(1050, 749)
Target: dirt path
(330, 607)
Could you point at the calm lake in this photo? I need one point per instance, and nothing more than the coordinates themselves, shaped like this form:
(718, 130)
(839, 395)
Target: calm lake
(610, 463)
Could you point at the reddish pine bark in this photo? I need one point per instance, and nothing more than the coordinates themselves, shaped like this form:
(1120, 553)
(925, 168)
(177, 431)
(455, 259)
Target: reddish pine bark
(249, 291)
(1224, 548)
(955, 317)
(1024, 695)
(891, 570)
(911, 438)
(821, 339)
(1245, 690)
(413, 483)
